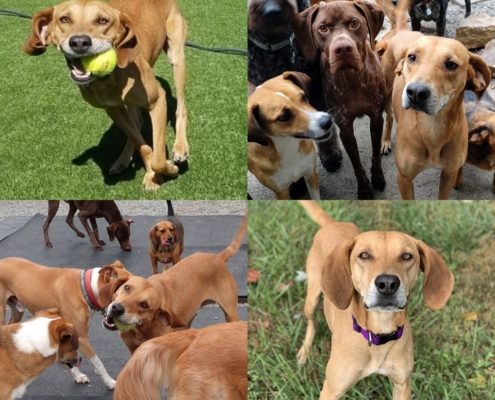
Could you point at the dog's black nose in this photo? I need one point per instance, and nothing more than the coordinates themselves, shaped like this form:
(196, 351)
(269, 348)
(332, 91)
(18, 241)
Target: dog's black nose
(117, 310)
(387, 284)
(80, 43)
(417, 93)
(326, 122)
(272, 10)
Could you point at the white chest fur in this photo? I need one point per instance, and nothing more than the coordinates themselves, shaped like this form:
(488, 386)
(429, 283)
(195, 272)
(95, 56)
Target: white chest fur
(33, 337)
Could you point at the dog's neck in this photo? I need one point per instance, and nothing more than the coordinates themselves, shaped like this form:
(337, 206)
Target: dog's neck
(378, 322)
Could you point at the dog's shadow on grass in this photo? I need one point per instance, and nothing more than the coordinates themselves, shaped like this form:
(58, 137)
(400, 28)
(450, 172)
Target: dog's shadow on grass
(107, 151)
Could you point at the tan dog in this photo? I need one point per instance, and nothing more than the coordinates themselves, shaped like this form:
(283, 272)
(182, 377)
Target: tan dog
(428, 107)
(166, 242)
(283, 127)
(30, 347)
(146, 308)
(208, 364)
(79, 28)
(366, 279)
(72, 291)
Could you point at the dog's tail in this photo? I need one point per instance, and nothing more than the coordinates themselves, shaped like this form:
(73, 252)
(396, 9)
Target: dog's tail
(401, 13)
(316, 213)
(234, 246)
(170, 209)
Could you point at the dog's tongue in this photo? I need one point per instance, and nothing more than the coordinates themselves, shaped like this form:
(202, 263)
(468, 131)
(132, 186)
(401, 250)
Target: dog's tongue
(78, 69)
(165, 243)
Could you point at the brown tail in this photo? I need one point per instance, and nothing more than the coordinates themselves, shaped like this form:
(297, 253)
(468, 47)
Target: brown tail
(233, 247)
(401, 13)
(316, 213)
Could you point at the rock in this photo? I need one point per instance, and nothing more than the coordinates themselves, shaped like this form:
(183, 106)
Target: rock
(429, 27)
(489, 55)
(476, 30)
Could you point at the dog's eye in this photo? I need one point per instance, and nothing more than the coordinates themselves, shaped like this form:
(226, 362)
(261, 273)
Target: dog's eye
(144, 305)
(102, 21)
(64, 19)
(406, 256)
(304, 98)
(322, 28)
(355, 24)
(285, 116)
(127, 288)
(411, 57)
(364, 255)
(451, 65)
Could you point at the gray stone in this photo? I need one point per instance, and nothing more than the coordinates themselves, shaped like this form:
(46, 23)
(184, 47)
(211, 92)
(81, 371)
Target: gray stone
(476, 30)
(489, 55)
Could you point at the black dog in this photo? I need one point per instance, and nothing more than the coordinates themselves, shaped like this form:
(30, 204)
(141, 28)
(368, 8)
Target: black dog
(432, 10)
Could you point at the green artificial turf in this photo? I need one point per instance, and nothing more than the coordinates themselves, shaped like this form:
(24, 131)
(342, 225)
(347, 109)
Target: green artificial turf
(453, 348)
(55, 145)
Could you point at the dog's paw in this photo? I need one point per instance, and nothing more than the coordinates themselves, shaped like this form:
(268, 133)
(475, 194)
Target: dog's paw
(365, 192)
(80, 234)
(117, 168)
(180, 153)
(378, 181)
(110, 383)
(78, 376)
(386, 147)
(302, 356)
(49, 244)
(171, 170)
(149, 182)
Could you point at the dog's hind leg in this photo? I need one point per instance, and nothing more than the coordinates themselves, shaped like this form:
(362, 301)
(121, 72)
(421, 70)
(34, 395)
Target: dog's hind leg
(52, 211)
(177, 30)
(225, 295)
(70, 219)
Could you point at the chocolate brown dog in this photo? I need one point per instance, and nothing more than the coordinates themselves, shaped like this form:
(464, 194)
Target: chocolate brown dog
(166, 240)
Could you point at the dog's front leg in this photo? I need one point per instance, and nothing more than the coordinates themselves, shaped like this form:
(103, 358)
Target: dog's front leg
(313, 185)
(376, 128)
(339, 377)
(447, 182)
(83, 217)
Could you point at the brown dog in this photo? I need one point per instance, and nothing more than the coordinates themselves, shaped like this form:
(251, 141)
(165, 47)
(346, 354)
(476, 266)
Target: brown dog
(146, 308)
(283, 129)
(117, 228)
(166, 242)
(366, 279)
(30, 347)
(428, 106)
(208, 363)
(80, 28)
(74, 292)
(341, 35)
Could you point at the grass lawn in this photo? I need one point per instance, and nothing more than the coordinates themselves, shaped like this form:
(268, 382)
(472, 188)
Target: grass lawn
(55, 145)
(454, 349)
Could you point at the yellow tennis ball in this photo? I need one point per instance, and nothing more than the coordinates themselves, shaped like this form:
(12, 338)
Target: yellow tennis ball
(100, 64)
(123, 327)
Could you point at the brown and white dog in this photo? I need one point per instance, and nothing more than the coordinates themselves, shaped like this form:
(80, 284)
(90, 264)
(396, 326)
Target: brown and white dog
(166, 240)
(146, 308)
(283, 129)
(30, 347)
(366, 279)
(81, 28)
(208, 364)
(428, 105)
(74, 292)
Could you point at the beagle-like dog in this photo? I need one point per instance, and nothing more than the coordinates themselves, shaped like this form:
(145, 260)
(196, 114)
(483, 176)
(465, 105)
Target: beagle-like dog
(428, 105)
(208, 364)
(30, 347)
(283, 128)
(139, 30)
(366, 279)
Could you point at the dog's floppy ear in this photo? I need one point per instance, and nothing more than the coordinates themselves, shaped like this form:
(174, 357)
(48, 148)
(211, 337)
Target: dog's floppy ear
(126, 43)
(336, 280)
(37, 42)
(400, 65)
(111, 231)
(302, 24)
(380, 48)
(478, 75)
(255, 132)
(64, 332)
(164, 317)
(106, 292)
(374, 16)
(438, 281)
(298, 79)
(153, 239)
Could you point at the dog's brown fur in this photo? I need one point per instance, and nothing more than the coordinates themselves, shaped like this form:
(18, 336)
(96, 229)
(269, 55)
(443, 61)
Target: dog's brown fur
(139, 31)
(334, 266)
(167, 301)
(208, 363)
(166, 242)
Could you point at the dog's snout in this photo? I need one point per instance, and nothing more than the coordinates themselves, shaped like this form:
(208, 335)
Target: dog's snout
(326, 122)
(417, 93)
(117, 310)
(342, 49)
(387, 284)
(272, 10)
(80, 43)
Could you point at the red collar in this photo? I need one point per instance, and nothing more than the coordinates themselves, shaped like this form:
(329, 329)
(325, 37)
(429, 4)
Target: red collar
(87, 291)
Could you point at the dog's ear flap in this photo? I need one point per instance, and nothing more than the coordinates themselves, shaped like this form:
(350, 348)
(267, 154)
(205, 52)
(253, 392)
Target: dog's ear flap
(106, 292)
(478, 75)
(255, 132)
(380, 48)
(374, 16)
(336, 280)
(299, 79)
(302, 25)
(126, 43)
(37, 42)
(64, 332)
(111, 231)
(400, 65)
(438, 281)
(164, 317)
(153, 239)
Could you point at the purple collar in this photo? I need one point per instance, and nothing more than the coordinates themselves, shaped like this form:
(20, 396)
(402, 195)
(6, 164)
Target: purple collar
(375, 339)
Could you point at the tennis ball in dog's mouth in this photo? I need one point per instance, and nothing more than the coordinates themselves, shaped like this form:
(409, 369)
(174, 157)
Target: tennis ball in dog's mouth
(123, 327)
(100, 64)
